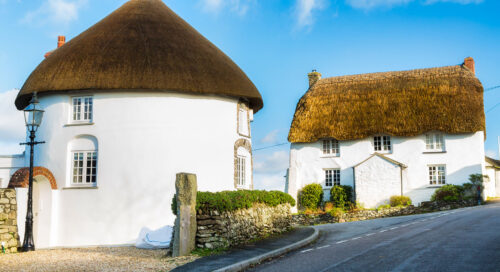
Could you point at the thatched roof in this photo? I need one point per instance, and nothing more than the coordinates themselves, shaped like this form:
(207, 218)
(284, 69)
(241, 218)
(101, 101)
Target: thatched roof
(405, 103)
(142, 46)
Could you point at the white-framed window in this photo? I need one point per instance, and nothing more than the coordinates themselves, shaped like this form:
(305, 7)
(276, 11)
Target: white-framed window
(241, 171)
(84, 168)
(243, 121)
(331, 147)
(82, 109)
(332, 177)
(434, 142)
(437, 174)
(382, 143)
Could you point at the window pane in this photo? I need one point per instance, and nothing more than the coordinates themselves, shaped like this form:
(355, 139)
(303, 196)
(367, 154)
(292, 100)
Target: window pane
(377, 141)
(328, 178)
(429, 142)
(387, 143)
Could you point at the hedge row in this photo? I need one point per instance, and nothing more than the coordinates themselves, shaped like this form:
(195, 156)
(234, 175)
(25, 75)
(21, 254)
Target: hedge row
(226, 201)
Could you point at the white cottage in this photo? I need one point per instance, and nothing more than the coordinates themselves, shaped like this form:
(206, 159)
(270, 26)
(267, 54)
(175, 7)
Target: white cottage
(130, 102)
(392, 133)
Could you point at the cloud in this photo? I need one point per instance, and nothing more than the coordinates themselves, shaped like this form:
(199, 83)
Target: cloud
(492, 154)
(304, 10)
(55, 11)
(271, 137)
(270, 182)
(271, 163)
(12, 129)
(370, 4)
(239, 7)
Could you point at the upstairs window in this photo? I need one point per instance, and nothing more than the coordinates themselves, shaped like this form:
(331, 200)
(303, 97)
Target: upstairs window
(434, 142)
(240, 171)
(332, 177)
(437, 174)
(382, 144)
(82, 109)
(243, 121)
(84, 168)
(331, 147)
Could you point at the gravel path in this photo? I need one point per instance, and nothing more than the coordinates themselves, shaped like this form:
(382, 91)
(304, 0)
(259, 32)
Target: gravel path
(92, 259)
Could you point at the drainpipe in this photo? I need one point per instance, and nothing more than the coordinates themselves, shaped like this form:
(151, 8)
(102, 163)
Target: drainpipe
(401, 175)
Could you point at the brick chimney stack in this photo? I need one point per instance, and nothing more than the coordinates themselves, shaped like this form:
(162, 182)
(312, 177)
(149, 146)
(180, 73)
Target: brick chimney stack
(469, 63)
(314, 76)
(60, 41)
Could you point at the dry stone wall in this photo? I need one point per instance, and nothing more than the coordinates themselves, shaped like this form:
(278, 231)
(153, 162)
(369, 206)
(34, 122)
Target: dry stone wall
(227, 229)
(8, 220)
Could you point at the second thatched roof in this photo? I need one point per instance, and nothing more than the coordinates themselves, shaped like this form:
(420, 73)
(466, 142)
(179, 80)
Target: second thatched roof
(142, 46)
(405, 103)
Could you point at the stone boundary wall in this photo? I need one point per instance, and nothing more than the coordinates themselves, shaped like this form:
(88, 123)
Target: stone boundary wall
(425, 207)
(8, 220)
(227, 229)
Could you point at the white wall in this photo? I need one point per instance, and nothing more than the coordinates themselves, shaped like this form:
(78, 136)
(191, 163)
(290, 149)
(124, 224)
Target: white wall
(144, 139)
(464, 156)
(492, 185)
(9, 164)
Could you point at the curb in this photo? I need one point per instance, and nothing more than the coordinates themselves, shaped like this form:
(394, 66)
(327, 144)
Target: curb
(277, 252)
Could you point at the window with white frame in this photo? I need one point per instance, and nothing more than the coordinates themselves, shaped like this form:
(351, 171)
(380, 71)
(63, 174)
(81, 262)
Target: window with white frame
(84, 168)
(82, 109)
(243, 121)
(241, 171)
(382, 143)
(434, 142)
(331, 147)
(437, 174)
(332, 177)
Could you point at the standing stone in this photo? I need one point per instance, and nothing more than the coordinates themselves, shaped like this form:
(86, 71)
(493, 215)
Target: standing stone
(185, 223)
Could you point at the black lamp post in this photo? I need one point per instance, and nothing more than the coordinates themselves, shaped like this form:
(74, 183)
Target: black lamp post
(33, 117)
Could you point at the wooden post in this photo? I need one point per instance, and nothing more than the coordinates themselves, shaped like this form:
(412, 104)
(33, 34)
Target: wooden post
(185, 223)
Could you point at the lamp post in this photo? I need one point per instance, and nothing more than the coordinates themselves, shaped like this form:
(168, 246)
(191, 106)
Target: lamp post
(33, 117)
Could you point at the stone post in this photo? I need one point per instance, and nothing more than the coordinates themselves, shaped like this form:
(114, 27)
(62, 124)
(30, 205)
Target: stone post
(185, 223)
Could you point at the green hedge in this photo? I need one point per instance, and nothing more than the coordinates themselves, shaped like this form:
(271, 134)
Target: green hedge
(234, 200)
(448, 192)
(311, 196)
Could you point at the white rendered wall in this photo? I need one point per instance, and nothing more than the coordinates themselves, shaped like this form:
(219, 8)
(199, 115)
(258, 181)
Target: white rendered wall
(144, 139)
(9, 164)
(464, 156)
(376, 181)
(490, 186)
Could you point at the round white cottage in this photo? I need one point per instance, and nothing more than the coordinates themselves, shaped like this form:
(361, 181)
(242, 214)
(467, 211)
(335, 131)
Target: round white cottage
(130, 102)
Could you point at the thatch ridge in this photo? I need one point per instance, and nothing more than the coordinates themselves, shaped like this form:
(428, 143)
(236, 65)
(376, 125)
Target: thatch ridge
(143, 45)
(401, 103)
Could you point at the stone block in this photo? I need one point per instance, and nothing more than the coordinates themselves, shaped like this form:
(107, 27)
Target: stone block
(4, 201)
(185, 222)
(3, 230)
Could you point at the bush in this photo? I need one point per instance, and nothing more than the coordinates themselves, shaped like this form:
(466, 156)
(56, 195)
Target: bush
(399, 201)
(310, 196)
(234, 200)
(448, 193)
(336, 212)
(341, 195)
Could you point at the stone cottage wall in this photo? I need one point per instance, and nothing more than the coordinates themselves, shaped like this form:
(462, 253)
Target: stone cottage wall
(220, 230)
(8, 220)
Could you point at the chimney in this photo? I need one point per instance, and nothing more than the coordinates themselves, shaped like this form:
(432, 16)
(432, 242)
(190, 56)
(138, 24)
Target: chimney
(469, 63)
(313, 77)
(60, 41)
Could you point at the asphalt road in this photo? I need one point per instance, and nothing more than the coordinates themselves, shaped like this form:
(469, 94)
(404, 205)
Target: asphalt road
(457, 240)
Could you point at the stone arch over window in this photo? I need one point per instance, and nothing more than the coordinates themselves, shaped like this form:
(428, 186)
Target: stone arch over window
(245, 146)
(20, 179)
(82, 161)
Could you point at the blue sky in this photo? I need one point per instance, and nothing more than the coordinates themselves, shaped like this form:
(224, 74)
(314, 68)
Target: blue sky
(277, 42)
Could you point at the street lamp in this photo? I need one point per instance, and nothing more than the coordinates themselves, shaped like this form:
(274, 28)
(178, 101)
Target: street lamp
(33, 117)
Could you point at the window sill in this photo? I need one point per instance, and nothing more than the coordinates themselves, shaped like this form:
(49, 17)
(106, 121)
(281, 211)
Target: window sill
(435, 186)
(329, 156)
(80, 187)
(79, 124)
(434, 152)
(244, 135)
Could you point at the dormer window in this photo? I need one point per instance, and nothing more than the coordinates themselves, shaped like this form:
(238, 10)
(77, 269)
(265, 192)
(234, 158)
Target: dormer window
(82, 109)
(382, 144)
(434, 142)
(331, 147)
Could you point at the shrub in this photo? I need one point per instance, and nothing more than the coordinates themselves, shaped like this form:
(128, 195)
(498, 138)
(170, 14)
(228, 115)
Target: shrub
(310, 196)
(448, 193)
(399, 201)
(384, 206)
(234, 200)
(328, 207)
(341, 195)
(336, 212)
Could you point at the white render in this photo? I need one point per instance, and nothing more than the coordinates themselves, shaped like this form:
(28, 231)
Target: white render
(143, 139)
(9, 164)
(492, 182)
(464, 155)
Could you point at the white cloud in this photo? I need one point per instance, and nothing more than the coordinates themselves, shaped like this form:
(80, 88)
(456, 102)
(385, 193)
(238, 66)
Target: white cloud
(12, 129)
(55, 11)
(271, 163)
(270, 182)
(304, 10)
(271, 137)
(370, 4)
(239, 7)
(492, 154)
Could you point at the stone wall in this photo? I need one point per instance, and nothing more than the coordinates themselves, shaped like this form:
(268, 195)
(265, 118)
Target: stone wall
(227, 229)
(8, 220)
(425, 207)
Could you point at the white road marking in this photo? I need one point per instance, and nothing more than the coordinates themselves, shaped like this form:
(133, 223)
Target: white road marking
(355, 238)
(405, 225)
(394, 228)
(323, 247)
(369, 234)
(383, 230)
(307, 250)
(340, 242)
